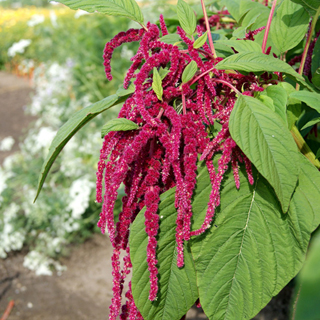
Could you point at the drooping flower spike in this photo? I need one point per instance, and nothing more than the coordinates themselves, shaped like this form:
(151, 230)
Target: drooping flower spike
(174, 132)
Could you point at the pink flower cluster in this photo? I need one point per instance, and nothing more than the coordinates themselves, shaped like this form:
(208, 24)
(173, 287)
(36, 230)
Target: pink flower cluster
(163, 152)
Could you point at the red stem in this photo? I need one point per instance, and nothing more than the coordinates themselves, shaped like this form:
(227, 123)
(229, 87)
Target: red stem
(184, 104)
(208, 29)
(265, 38)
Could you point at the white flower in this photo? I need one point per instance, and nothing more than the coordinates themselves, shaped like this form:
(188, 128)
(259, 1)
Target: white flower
(80, 194)
(6, 144)
(80, 13)
(18, 47)
(53, 18)
(36, 19)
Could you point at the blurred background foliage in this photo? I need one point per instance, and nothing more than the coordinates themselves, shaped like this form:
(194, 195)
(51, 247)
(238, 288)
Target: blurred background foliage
(60, 51)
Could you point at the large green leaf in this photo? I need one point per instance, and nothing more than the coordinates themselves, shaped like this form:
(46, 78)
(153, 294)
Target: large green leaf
(289, 26)
(68, 130)
(268, 144)
(157, 84)
(293, 105)
(189, 71)
(252, 251)
(308, 284)
(241, 45)
(177, 286)
(257, 62)
(233, 7)
(309, 186)
(279, 97)
(124, 8)
(186, 17)
(312, 99)
(310, 5)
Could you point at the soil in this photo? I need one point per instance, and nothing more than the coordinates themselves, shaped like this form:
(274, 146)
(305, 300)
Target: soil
(83, 291)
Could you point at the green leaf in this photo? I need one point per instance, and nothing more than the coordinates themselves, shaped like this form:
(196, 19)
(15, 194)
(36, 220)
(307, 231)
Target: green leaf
(252, 251)
(119, 124)
(242, 45)
(309, 187)
(173, 39)
(157, 84)
(310, 5)
(233, 7)
(222, 51)
(289, 26)
(200, 41)
(316, 78)
(186, 17)
(315, 62)
(257, 62)
(279, 97)
(293, 105)
(311, 123)
(312, 99)
(318, 154)
(308, 284)
(68, 130)
(177, 286)
(267, 101)
(189, 71)
(123, 92)
(124, 8)
(163, 72)
(261, 135)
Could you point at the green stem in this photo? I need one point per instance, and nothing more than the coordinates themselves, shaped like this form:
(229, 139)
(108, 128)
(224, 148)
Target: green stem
(208, 29)
(265, 38)
(303, 147)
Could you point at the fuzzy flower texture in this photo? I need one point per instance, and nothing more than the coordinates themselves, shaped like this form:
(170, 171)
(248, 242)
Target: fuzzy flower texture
(163, 152)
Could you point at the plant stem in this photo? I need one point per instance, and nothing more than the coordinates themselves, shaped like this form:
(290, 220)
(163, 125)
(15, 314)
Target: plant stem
(208, 29)
(303, 147)
(228, 85)
(265, 38)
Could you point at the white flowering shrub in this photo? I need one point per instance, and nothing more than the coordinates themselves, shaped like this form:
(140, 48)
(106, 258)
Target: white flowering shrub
(66, 212)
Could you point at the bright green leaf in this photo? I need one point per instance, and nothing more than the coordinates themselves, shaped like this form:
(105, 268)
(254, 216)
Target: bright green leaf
(163, 72)
(177, 286)
(200, 41)
(309, 186)
(293, 105)
(124, 8)
(69, 129)
(279, 97)
(262, 137)
(241, 45)
(289, 26)
(311, 123)
(189, 71)
(257, 62)
(252, 251)
(233, 7)
(267, 101)
(186, 17)
(119, 124)
(157, 84)
(312, 99)
(173, 39)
